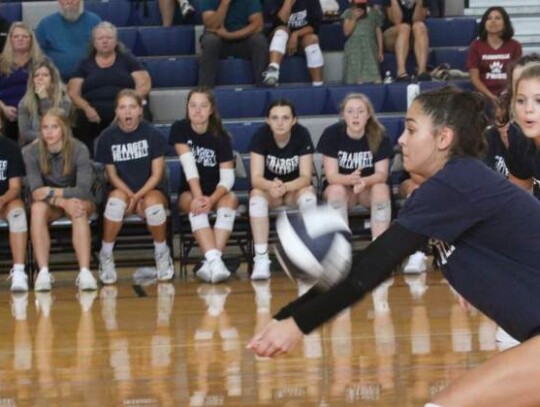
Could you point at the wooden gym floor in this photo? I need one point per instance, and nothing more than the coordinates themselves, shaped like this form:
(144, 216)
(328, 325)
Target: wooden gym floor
(183, 344)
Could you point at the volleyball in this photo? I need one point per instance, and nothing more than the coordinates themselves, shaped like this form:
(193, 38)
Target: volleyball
(314, 246)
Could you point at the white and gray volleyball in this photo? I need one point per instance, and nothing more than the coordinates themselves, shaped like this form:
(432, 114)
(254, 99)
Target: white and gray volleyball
(314, 246)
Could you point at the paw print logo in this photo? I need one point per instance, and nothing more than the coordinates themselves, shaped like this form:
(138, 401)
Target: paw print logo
(496, 67)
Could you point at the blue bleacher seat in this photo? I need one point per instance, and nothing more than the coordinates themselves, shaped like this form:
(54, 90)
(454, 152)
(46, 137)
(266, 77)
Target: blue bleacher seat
(129, 37)
(239, 103)
(294, 70)
(394, 127)
(241, 135)
(389, 63)
(141, 17)
(375, 93)
(11, 11)
(164, 41)
(451, 32)
(234, 71)
(331, 37)
(455, 57)
(307, 100)
(396, 97)
(172, 72)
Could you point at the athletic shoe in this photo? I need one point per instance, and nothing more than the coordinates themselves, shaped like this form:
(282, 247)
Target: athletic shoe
(218, 271)
(416, 263)
(86, 281)
(107, 269)
(505, 340)
(164, 265)
(271, 76)
(203, 273)
(44, 303)
(19, 281)
(19, 303)
(186, 8)
(44, 281)
(261, 268)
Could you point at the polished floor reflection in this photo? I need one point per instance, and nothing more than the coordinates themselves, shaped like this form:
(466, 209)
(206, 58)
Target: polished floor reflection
(183, 344)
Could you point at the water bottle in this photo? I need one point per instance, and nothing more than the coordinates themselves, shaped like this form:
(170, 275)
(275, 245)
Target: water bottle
(388, 77)
(413, 90)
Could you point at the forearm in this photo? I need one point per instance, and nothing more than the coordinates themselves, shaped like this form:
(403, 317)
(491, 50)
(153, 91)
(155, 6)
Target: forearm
(218, 193)
(79, 102)
(375, 178)
(339, 179)
(349, 25)
(150, 185)
(298, 183)
(10, 195)
(285, 12)
(117, 183)
(218, 17)
(195, 187)
(245, 32)
(304, 31)
(261, 183)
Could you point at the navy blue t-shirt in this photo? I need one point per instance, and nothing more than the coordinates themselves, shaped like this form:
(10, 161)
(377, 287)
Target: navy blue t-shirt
(523, 158)
(407, 8)
(282, 163)
(497, 151)
(303, 13)
(131, 153)
(11, 163)
(209, 151)
(488, 235)
(351, 153)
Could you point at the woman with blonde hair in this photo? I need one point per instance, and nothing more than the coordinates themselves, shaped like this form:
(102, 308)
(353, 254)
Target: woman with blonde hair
(60, 175)
(20, 52)
(45, 90)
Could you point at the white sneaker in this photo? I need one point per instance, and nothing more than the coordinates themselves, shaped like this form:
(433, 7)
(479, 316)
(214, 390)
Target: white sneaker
(219, 271)
(19, 304)
(261, 267)
(86, 281)
(416, 263)
(44, 281)
(44, 303)
(164, 265)
(19, 281)
(330, 7)
(186, 8)
(271, 76)
(203, 273)
(107, 269)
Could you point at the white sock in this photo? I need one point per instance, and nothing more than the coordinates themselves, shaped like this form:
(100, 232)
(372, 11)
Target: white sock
(85, 269)
(106, 247)
(160, 247)
(44, 270)
(18, 267)
(318, 83)
(261, 249)
(212, 254)
(274, 65)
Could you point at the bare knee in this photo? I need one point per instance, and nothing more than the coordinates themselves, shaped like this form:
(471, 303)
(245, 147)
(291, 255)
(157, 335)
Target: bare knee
(335, 192)
(419, 29)
(309, 39)
(116, 193)
(154, 198)
(228, 201)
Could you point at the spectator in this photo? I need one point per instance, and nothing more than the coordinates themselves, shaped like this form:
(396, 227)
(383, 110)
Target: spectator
(64, 36)
(206, 154)
(4, 30)
(20, 52)
(60, 177)
(233, 28)
(167, 8)
(490, 54)
(363, 51)
(12, 209)
(356, 160)
(93, 88)
(133, 153)
(295, 28)
(281, 159)
(407, 23)
(45, 90)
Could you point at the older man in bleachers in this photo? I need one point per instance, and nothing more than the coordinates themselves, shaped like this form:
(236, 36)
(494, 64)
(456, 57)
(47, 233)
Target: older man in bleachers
(233, 28)
(64, 36)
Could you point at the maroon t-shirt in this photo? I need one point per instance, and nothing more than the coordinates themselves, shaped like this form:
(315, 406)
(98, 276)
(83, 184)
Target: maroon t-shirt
(493, 63)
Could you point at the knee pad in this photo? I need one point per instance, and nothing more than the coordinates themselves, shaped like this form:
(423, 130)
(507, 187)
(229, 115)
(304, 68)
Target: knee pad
(381, 211)
(307, 200)
(199, 221)
(258, 207)
(115, 209)
(340, 207)
(17, 220)
(155, 215)
(225, 219)
(279, 41)
(314, 56)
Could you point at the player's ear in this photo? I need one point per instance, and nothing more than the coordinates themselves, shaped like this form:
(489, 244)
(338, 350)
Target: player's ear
(445, 138)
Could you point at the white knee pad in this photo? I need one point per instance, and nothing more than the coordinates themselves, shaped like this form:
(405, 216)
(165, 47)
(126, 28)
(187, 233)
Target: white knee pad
(199, 221)
(340, 207)
(258, 207)
(307, 200)
(225, 219)
(155, 215)
(115, 209)
(381, 211)
(314, 56)
(279, 41)
(17, 220)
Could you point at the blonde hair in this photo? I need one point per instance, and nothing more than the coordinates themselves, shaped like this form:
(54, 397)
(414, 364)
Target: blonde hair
(67, 144)
(374, 130)
(56, 92)
(7, 60)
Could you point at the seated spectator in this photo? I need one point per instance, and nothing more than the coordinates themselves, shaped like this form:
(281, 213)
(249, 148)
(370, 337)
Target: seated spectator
(133, 153)
(232, 29)
(20, 52)
(281, 162)
(295, 28)
(60, 175)
(45, 90)
(95, 84)
(64, 36)
(407, 28)
(12, 209)
(4, 30)
(206, 154)
(356, 159)
(490, 54)
(167, 8)
(363, 51)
